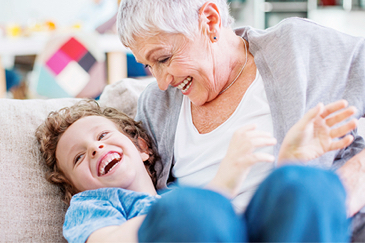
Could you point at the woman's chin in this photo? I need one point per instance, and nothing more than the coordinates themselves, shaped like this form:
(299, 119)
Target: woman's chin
(197, 101)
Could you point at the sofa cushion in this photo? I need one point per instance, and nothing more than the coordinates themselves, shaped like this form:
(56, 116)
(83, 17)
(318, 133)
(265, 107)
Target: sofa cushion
(31, 209)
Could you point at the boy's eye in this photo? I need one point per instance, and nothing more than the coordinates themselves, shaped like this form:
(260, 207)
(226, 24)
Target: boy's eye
(102, 135)
(78, 158)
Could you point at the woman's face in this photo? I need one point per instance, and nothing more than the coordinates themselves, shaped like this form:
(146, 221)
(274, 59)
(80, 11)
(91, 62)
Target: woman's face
(182, 63)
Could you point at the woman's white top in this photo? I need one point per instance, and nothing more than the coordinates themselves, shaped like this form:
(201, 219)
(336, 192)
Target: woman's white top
(198, 155)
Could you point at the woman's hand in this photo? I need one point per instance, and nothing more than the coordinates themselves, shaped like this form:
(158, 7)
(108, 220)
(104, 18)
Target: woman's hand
(314, 134)
(240, 157)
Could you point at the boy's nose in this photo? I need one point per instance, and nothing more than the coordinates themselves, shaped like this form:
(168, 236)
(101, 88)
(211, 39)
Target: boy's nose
(94, 151)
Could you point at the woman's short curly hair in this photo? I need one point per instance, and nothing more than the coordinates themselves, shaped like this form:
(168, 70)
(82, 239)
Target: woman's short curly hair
(49, 133)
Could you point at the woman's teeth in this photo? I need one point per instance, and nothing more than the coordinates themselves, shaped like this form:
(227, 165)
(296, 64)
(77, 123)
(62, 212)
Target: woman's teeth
(185, 85)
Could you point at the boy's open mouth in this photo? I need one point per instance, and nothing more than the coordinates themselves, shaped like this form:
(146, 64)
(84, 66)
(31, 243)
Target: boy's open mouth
(109, 162)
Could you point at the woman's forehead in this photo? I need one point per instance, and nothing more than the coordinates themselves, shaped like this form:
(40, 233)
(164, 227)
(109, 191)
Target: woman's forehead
(159, 39)
(145, 47)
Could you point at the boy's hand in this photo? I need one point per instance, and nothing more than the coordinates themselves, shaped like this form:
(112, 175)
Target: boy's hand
(240, 157)
(313, 135)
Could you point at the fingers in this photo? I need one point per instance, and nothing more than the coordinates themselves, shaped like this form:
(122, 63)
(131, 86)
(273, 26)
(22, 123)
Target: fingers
(342, 143)
(256, 138)
(263, 157)
(344, 129)
(243, 145)
(262, 139)
(263, 142)
(341, 116)
(250, 131)
(334, 107)
(312, 113)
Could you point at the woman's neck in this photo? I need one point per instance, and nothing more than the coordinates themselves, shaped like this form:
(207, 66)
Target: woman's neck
(211, 115)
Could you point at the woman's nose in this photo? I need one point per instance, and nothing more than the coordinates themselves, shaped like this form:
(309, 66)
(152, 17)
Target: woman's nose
(94, 150)
(164, 81)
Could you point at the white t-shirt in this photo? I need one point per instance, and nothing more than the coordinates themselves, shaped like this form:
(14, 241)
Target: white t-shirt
(197, 156)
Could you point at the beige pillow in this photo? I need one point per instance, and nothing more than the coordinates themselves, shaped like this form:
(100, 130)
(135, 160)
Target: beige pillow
(31, 209)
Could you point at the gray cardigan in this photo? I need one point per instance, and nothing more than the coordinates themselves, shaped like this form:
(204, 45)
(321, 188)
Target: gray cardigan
(301, 63)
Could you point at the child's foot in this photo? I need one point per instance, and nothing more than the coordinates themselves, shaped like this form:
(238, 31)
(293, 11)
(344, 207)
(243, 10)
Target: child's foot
(352, 175)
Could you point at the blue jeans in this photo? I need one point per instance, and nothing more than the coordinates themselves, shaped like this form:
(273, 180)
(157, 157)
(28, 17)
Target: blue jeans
(294, 204)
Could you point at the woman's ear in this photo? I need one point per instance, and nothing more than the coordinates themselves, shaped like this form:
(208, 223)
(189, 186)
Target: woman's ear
(210, 20)
(143, 149)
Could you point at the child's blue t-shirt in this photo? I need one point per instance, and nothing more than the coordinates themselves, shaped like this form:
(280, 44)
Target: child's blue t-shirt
(95, 209)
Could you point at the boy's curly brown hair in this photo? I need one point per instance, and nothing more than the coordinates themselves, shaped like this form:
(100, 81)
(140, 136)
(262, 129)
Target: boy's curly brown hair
(49, 133)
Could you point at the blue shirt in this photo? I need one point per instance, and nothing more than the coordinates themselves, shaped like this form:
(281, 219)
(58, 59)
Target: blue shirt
(95, 209)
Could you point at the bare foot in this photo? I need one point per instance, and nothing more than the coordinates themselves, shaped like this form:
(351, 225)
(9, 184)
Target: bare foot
(352, 175)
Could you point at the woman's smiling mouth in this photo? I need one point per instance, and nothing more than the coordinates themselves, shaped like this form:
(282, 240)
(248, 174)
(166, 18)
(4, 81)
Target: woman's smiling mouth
(185, 85)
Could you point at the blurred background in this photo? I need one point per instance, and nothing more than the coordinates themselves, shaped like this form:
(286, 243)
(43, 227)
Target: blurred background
(69, 48)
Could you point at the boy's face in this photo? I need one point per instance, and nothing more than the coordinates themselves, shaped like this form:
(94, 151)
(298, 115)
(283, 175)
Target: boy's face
(94, 154)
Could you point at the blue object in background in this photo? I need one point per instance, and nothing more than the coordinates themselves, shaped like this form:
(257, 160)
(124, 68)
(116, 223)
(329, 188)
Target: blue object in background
(135, 69)
(12, 78)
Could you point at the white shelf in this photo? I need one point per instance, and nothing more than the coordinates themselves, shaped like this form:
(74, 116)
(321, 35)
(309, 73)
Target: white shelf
(286, 7)
(349, 22)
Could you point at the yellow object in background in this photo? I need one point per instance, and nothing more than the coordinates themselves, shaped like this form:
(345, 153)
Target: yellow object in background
(13, 30)
(45, 26)
(50, 25)
(76, 26)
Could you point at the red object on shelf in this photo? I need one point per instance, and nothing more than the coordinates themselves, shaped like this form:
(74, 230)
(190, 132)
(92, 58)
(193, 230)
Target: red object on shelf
(328, 2)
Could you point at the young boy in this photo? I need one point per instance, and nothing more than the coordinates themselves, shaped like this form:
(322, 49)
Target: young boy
(98, 152)
(104, 161)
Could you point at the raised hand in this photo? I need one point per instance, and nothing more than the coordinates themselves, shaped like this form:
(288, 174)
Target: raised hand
(315, 134)
(240, 157)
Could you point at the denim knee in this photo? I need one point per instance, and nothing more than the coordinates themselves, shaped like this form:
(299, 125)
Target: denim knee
(192, 215)
(298, 204)
(310, 180)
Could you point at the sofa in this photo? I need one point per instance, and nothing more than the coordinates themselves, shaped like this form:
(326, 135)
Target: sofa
(31, 209)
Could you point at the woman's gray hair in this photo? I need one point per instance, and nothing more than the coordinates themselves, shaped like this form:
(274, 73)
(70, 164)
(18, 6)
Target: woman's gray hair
(145, 18)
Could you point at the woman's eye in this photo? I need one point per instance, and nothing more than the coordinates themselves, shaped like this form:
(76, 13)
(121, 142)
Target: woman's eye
(102, 135)
(164, 60)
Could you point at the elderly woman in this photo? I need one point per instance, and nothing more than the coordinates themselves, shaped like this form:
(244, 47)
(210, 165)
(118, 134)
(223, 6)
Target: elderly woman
(212, 79)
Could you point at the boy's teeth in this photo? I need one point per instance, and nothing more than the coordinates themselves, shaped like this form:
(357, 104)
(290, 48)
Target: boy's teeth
(113, 157)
